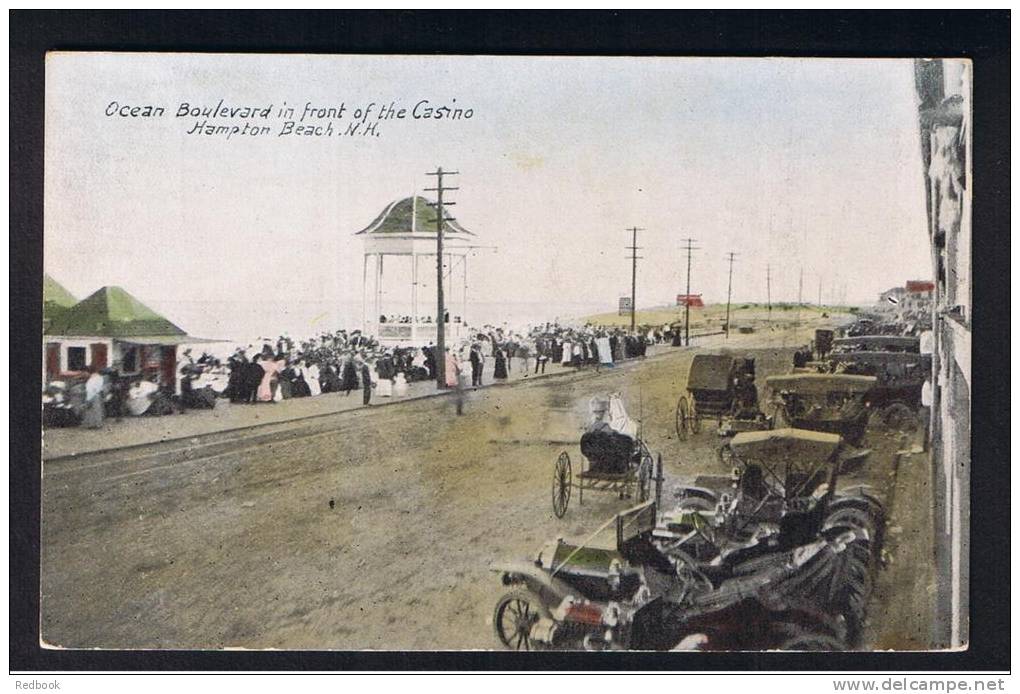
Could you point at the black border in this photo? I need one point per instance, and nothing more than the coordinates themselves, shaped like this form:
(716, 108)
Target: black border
(982, 36)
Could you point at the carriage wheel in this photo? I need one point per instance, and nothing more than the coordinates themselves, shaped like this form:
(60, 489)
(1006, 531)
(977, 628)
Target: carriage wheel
(562, 482)
(899, 417)
(695, 416)
(644, 479)
(683, 412)
(516, 612)
(658, 480)
(804, 639)
(725, 455)
(779, 418)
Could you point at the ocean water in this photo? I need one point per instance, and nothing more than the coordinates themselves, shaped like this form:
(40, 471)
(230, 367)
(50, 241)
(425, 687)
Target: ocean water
(247, 321)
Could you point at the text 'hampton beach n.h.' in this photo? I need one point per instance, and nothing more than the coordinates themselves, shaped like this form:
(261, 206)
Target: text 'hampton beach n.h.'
(312, 120)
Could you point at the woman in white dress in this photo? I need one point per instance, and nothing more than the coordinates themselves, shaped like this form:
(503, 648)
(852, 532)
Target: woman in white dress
(312, 378)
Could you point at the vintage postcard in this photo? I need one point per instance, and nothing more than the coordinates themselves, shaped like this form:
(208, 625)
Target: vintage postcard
(351, 352)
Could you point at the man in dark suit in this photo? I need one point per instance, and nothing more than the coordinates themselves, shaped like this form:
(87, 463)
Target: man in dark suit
(477, 362)
(366, 381)
(430, 360)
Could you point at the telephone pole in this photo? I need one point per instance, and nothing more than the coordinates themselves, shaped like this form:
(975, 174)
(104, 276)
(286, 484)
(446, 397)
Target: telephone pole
(768, 290)
(819, 291)
(633, 247)
(687, 296)
(729, 290)
(441, 220)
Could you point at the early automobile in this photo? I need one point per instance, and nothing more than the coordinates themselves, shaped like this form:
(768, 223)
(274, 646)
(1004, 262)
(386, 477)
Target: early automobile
(622, 588)
(784, 491)
(834, 403)
(720, 386)
(896, 396)
(774, 473)
(613, 458)
(878, 343)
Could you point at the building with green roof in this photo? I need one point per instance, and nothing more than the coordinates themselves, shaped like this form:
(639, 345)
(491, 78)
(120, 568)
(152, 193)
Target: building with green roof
(56, 300)
(111, 328)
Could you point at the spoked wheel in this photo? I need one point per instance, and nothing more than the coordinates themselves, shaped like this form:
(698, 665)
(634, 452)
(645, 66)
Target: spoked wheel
(683, 418)
(562, 482)
(695, 423)
(808, 640)
(899, 417)
(644, 476)
(779, 418)
(516, 612)
(725, 455)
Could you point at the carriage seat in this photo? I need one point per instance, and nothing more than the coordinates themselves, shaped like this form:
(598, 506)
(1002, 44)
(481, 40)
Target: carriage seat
(607, 451)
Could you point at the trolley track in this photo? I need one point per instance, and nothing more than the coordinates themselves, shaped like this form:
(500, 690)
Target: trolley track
(234, 541)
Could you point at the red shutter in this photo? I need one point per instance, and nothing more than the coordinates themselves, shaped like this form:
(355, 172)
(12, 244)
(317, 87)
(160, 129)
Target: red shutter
(52, 360)
(170, 367)
(98, 355)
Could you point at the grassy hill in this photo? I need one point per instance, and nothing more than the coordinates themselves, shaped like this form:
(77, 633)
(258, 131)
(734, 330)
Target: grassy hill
(713, 316)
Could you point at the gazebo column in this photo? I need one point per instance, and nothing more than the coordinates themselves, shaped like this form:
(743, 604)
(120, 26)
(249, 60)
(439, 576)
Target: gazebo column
(364, 292)
(414, 297)
(378, 287)
(463, 300)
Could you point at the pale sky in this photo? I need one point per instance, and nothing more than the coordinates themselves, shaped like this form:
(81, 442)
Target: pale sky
(788, 162)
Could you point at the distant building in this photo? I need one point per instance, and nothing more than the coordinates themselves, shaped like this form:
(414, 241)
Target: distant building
(892, 296)
(918, 296)
(690, 300)
(943, 88)
(112, 328)
(56, 300)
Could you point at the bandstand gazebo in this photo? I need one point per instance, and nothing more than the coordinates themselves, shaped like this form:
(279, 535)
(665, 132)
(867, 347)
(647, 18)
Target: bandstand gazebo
(404, 314)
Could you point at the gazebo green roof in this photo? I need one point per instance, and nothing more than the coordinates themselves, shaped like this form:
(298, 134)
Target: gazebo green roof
(411, 215)
(112, 312)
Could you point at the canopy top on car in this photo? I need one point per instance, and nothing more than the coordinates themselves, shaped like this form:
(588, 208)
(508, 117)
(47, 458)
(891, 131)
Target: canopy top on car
(813, 384)
(782, 444)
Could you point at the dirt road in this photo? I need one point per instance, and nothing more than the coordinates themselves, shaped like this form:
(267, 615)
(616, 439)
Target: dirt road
(377, 534)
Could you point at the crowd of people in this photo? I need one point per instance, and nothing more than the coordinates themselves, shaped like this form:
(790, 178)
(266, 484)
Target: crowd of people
(273, 370)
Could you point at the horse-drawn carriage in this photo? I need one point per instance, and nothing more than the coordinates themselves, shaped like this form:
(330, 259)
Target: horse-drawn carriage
(614, 458)
(719, 386)
(834, 403)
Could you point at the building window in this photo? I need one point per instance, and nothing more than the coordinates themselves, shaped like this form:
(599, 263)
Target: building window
(76, 358)
(129, 361)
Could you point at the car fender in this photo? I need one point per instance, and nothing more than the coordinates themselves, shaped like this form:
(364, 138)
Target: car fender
(550, 589)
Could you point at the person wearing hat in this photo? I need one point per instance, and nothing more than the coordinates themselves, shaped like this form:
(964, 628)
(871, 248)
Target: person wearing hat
(477, 363)
(348, 375)
(366, 380)
(386, 370)
(452, 374)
